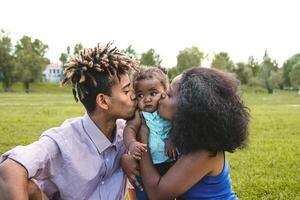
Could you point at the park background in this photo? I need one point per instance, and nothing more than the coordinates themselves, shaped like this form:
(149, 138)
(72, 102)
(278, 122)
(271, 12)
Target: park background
(257, 41)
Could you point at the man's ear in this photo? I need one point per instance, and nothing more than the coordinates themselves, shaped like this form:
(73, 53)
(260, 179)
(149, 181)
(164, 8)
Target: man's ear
(102, 101)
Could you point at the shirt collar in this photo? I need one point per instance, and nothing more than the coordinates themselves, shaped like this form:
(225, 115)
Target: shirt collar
(153, 115)
(97, 136)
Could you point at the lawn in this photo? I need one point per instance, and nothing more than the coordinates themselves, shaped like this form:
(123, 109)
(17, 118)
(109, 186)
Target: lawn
(269, 168)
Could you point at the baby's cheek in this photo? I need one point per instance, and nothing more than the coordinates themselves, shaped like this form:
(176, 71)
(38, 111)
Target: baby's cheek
(140, 105)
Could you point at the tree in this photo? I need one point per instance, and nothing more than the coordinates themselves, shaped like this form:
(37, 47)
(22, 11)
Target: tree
(186, 58)
(253, 65)
(172, 72)
(295, 76)
(6, 61)
(130, 52)
(150, 58)
(266, 67)
(243, 72)
(77, 48)
(63, 58)
(287, 67)
(276, 79)
(30, 60)
(189, 57)
(222, 61)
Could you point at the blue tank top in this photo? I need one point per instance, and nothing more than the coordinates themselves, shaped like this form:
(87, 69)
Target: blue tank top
(212, 187)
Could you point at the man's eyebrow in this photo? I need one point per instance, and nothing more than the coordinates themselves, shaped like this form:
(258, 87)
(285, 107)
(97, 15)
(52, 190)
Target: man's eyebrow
(125, 86)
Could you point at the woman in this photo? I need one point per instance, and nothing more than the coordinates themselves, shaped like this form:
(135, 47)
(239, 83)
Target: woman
(209, 118)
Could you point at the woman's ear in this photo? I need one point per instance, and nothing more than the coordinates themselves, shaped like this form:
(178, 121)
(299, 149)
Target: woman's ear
(102, 101)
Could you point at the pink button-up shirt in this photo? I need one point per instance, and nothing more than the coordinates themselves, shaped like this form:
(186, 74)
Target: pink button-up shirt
(75, 161)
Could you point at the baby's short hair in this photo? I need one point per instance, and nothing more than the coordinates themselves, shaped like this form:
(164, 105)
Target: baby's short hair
(150, 72)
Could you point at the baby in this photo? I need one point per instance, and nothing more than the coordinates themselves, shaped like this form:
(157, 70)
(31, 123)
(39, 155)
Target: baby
(149, 84)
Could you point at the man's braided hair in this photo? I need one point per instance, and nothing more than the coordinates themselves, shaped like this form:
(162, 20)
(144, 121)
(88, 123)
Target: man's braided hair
(95, 71)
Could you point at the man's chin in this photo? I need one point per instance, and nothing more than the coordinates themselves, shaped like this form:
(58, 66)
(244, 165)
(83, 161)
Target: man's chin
(131, 116)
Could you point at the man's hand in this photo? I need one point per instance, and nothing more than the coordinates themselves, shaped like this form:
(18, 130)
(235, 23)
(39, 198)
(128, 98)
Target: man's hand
(170, 149)
(130, 167)
(136, 149)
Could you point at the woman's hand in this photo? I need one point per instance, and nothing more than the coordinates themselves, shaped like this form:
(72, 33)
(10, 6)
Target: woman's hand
(170, 149)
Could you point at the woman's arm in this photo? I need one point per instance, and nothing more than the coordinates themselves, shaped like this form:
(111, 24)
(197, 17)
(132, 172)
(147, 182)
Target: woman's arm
(186, 172)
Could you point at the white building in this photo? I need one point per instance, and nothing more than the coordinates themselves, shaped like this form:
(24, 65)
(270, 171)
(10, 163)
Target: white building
(53, 72)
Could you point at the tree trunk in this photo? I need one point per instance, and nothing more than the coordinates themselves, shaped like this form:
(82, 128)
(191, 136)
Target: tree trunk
(26, 86)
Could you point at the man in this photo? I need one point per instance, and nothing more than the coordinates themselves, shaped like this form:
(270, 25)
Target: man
(79, 159)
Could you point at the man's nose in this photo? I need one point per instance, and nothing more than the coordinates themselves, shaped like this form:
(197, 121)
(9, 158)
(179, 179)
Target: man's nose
(133, 96)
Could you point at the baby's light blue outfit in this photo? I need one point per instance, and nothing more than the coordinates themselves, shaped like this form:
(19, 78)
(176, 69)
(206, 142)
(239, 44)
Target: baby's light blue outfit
(159, 129)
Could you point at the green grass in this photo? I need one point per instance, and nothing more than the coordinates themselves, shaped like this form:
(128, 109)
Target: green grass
(48, 88)
(269, 168)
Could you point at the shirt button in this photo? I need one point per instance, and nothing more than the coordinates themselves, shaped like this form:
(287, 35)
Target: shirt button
(102, 182)
(107, 159)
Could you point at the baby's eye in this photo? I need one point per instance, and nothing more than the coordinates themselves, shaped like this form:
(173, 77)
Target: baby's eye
(140, 96)
(153, 94)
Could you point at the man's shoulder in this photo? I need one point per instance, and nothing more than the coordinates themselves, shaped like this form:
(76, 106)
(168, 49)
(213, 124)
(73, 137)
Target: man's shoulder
(68, 128)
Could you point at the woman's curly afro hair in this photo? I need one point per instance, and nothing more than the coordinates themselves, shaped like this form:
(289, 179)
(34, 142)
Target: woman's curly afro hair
(211, 115)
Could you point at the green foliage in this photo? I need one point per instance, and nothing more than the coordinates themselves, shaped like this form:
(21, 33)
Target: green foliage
(189, 57)
(63, 58)
(150, 58)
(77, 48)
(288, 67)
(186, 58)
(172, 72)
(264, 74)
(222, 61)
(6, 61)
(267, 169)
(295, 76)
(29, 60)
(130, 52)
(254, 66)
(243, 72)
(276, 79)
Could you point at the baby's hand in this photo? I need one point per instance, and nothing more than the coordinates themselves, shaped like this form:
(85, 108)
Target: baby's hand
(170, 150)
(136, 149)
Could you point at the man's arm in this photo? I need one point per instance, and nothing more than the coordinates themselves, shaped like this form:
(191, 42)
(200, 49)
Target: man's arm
(13, 181)
(22, 163)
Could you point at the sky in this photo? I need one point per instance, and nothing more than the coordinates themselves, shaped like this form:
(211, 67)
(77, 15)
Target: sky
(242, 28)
